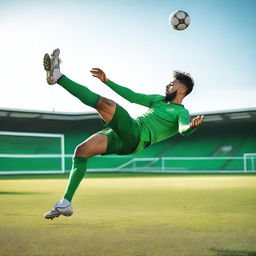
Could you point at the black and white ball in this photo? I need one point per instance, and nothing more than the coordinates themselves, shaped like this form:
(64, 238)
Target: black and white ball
(179, 20)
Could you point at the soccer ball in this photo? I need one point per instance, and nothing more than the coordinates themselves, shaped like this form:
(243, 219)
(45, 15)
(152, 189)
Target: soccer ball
(179, 20)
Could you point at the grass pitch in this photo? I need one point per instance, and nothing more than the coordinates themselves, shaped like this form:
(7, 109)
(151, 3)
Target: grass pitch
(162, 215)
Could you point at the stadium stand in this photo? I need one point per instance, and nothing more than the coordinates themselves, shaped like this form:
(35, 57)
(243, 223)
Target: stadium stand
(224, 134)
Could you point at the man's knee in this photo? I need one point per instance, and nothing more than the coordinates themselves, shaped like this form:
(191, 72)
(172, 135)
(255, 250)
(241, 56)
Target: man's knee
(105, 103)
(95, 145)
(106, 109)
(84, 150)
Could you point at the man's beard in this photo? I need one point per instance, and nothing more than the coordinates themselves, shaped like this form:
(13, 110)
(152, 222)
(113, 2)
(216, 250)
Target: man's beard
(170, 96)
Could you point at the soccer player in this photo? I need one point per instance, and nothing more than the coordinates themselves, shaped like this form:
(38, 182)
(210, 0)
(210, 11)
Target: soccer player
(122, 135)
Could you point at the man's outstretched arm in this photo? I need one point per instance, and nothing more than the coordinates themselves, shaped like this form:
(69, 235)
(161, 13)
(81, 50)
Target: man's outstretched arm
(128, 94)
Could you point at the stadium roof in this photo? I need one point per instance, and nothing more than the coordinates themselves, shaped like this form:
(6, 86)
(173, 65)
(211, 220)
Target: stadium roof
(249, 114)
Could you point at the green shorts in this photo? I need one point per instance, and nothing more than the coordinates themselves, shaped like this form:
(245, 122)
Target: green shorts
(123, 133)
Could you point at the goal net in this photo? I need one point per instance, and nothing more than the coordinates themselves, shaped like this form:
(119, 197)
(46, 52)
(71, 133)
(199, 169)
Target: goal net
(24, 152)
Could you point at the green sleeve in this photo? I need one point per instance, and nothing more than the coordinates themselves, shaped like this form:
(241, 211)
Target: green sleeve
(184, 123)
(133, 97)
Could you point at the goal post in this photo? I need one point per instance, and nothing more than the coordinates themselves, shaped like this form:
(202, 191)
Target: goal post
(249, 162)
(29, 152)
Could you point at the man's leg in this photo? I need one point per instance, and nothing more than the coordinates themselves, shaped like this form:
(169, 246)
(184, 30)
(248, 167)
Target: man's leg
(94, 145)
(105, 107)
(79, 91)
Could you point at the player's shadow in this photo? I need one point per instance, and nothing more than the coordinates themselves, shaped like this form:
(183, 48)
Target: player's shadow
(233, 252)
(18, 193)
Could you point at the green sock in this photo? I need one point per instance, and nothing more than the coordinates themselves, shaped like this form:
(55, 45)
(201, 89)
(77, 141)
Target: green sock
(76, 175)
(81, 92)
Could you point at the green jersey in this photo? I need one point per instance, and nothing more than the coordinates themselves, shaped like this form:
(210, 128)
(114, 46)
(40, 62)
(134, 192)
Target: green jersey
(162, 120)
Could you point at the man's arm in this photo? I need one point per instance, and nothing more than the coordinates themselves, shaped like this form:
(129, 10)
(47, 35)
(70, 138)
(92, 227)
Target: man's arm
(128, 94)
(185, 127)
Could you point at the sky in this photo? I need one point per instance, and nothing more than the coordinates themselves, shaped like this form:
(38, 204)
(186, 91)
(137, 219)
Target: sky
(132, 42)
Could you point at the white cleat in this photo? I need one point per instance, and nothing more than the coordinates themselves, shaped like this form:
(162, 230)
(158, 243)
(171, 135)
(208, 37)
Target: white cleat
(58, 210)
(52, 66)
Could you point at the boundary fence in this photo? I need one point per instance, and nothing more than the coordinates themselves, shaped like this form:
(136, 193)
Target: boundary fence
(247, 162)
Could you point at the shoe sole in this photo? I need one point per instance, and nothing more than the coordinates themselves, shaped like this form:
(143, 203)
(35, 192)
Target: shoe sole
(66, 215)
(47, 68)
(47, 62)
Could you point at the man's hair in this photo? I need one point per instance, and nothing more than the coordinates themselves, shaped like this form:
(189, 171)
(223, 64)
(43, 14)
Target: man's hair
(186, 79)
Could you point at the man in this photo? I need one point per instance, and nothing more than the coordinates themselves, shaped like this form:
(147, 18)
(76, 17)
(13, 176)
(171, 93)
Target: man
(123, 135)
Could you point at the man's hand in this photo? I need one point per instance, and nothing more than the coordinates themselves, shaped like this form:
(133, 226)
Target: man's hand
(99, 74)
(196, 121)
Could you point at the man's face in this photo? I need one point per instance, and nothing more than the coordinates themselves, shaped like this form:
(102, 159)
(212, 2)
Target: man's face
(171, 90)
(171, 87)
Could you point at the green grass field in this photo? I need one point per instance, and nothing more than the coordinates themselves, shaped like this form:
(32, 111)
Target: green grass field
(155, 215)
